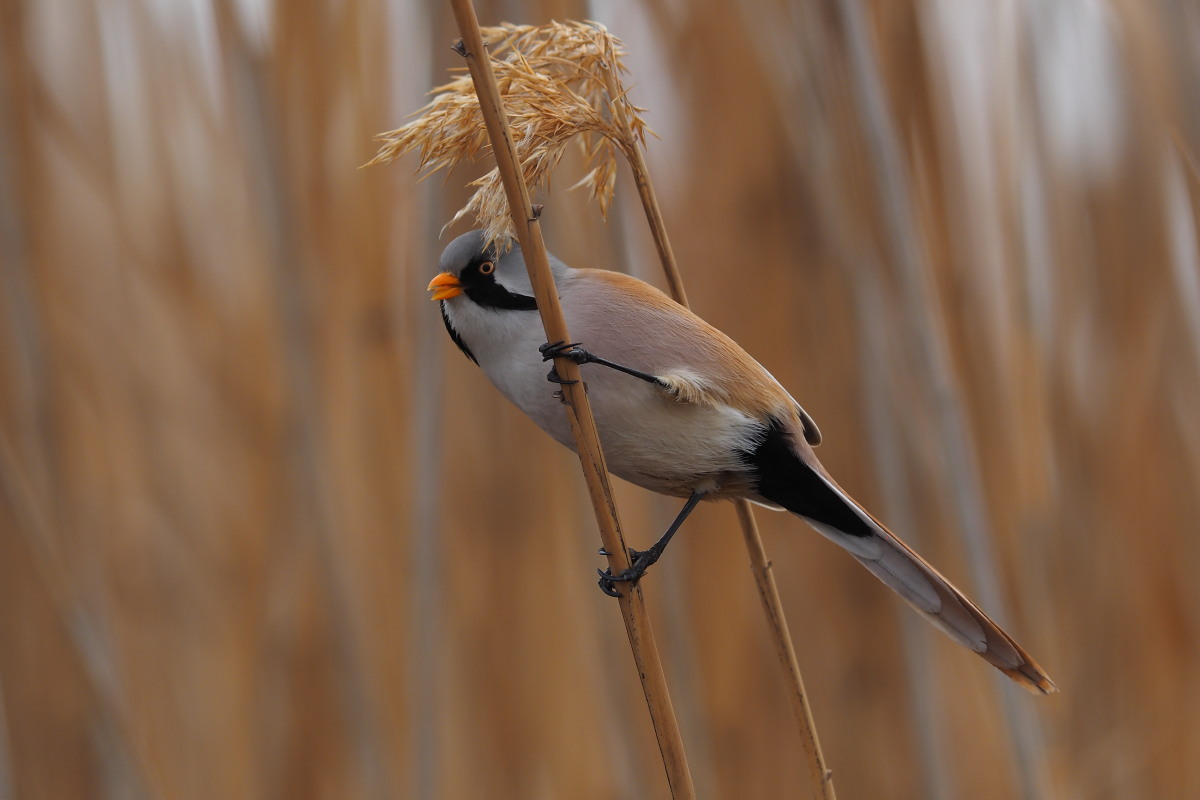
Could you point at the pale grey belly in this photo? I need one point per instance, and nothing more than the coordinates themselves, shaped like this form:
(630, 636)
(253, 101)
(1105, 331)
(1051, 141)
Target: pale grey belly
(649, 438)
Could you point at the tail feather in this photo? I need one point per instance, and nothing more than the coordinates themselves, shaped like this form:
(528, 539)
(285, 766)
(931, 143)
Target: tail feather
(805, 489)
(925, 589)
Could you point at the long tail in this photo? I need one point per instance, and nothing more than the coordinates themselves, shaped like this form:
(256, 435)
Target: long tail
(817, 498)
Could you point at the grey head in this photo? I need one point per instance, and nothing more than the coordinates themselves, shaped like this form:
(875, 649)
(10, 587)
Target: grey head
(477, 280)
(505, 275)
(489, 276)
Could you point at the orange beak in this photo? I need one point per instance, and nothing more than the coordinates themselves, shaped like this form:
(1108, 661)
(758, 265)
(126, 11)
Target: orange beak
(444, 286)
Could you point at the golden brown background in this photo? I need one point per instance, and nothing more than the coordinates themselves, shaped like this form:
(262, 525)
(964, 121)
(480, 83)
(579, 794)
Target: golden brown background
(265, 533)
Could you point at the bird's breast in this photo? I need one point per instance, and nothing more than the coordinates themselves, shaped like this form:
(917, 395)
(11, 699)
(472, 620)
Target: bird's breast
(649, 437)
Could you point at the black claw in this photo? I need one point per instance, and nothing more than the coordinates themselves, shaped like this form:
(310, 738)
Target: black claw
(570, 350)
(641, 560)
(603, 551)
(555, 349)
(606, 585)
(630, 575)
(554, 377)
(606, 582)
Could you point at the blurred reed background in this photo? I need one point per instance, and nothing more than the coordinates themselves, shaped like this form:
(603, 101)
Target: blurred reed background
(264, 532)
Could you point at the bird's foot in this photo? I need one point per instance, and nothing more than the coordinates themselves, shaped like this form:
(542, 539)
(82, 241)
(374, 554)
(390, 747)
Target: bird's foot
(570, 350)
(640, 561)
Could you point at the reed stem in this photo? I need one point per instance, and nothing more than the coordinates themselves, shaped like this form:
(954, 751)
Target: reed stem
(528, 228)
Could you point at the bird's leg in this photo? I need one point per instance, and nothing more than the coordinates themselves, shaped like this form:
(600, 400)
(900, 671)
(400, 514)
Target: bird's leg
(643, 559)
(580, 356)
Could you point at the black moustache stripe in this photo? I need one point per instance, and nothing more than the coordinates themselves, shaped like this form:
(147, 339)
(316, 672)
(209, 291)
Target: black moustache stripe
(454, 334)
(490, 294)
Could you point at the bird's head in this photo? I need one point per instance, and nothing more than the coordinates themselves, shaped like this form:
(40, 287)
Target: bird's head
(483, 275)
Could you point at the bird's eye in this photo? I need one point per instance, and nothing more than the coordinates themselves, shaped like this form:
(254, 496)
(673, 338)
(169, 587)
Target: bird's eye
(487, 268)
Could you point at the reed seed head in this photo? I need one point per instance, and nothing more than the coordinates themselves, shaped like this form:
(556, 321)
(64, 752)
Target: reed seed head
(560, 82)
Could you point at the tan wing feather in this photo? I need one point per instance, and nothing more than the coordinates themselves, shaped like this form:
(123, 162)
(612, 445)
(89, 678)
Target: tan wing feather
(705, 366)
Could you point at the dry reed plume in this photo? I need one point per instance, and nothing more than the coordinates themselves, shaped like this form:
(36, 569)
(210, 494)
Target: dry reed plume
(555, 83)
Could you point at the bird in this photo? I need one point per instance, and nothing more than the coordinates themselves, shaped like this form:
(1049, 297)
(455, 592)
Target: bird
(683, 410)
